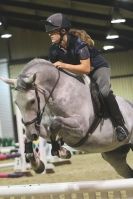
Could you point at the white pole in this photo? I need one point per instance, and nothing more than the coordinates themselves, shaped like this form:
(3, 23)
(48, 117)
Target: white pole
(42, 151)
(43, 155)
(67, 187)
(5, 165)
(21, 139)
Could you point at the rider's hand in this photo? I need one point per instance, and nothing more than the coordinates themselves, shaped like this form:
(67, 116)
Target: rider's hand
(59, 64)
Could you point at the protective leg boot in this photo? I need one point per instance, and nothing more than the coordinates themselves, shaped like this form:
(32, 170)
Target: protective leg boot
(116, 117)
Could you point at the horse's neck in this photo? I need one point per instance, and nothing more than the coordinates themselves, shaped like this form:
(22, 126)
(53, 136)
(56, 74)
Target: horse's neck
(48, 77)
(51, 79)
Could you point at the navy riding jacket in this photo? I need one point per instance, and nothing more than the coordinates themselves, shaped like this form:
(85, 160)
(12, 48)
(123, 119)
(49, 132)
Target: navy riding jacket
(77, 50)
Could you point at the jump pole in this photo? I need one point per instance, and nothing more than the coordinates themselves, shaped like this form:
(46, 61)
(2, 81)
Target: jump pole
(20, 139)
(68, 188)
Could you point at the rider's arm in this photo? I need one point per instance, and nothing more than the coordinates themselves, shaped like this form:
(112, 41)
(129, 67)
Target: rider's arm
(84, 66)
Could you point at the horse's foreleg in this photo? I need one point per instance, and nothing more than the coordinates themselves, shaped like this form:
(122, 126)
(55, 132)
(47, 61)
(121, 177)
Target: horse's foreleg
(36, 164)
(72, 124)
(117, 158)
(66, 125)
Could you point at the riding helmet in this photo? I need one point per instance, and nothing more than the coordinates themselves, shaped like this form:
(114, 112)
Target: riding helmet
(57, 21)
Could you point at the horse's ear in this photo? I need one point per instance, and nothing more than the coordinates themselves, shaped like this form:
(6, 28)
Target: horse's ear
(11, 82)
(34, 77)
(31, 79)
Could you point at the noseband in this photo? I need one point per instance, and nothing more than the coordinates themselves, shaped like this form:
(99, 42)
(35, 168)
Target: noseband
(38, 118)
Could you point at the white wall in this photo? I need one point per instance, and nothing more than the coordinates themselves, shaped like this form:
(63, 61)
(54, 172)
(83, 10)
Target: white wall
(6, 117)
(25, 44)
(0, 129)
(122, 68)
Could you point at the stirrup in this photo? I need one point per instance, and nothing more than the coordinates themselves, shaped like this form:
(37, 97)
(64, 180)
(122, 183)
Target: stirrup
(121, 133)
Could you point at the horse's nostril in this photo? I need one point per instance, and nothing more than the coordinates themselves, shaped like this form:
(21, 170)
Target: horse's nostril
(34, 136)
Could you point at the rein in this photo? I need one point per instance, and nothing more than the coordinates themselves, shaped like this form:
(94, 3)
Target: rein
(38, 118)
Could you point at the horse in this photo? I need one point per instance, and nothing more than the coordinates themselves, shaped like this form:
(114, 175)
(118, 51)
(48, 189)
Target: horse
(55, 104)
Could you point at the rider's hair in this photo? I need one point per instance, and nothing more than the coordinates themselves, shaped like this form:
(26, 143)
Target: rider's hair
(82, 34)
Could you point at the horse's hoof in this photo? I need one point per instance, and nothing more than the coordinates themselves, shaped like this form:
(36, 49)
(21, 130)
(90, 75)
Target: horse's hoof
(41, 168)
(64, 153)
(54, 153)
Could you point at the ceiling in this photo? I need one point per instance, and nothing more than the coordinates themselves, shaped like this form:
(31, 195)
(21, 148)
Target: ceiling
(92, 15)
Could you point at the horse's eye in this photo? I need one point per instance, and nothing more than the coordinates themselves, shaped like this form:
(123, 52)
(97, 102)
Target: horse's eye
(32, 101)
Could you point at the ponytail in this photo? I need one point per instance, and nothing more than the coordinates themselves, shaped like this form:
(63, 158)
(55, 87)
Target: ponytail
(82, 34)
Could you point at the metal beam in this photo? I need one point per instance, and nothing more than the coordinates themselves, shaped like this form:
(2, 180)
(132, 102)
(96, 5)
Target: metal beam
(34, 22)
(37, 20)
(67, 11)
(127, 5)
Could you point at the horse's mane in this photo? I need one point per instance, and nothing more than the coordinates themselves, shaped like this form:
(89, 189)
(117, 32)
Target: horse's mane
(35, 65)
(36, 62)
(38, 65)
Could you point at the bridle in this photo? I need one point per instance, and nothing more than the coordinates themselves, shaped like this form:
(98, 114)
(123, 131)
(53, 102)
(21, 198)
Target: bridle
(38, 118)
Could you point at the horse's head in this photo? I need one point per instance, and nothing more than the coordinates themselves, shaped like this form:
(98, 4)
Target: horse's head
(30, 100)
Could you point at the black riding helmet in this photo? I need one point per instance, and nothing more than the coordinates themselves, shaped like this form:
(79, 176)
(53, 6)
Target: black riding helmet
(57, 21)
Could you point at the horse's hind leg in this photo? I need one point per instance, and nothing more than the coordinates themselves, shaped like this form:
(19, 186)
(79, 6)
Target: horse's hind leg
(117, 158)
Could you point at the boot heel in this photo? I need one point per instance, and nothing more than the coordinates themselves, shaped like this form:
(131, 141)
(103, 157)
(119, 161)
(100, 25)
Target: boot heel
(121, 133)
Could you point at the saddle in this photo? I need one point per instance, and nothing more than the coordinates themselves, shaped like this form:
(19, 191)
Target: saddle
(99, 105)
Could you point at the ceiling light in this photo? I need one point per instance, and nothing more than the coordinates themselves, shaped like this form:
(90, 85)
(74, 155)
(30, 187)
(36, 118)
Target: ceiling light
(117, 16)
(118, 20)
(6, 35)
(112, 34)
(0, 23)
(108, 47)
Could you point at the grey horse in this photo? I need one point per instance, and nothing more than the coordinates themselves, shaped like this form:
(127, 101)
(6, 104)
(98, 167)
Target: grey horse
(53, 102)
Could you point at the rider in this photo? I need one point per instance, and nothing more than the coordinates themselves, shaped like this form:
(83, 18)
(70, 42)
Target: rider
(74, 51)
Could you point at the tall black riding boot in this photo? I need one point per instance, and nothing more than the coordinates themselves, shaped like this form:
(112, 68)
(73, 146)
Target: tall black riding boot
(116, 117)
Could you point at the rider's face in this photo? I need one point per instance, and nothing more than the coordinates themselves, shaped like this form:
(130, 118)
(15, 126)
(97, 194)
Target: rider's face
(55, 36)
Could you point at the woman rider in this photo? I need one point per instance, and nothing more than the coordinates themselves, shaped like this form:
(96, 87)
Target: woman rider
(74, 50)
